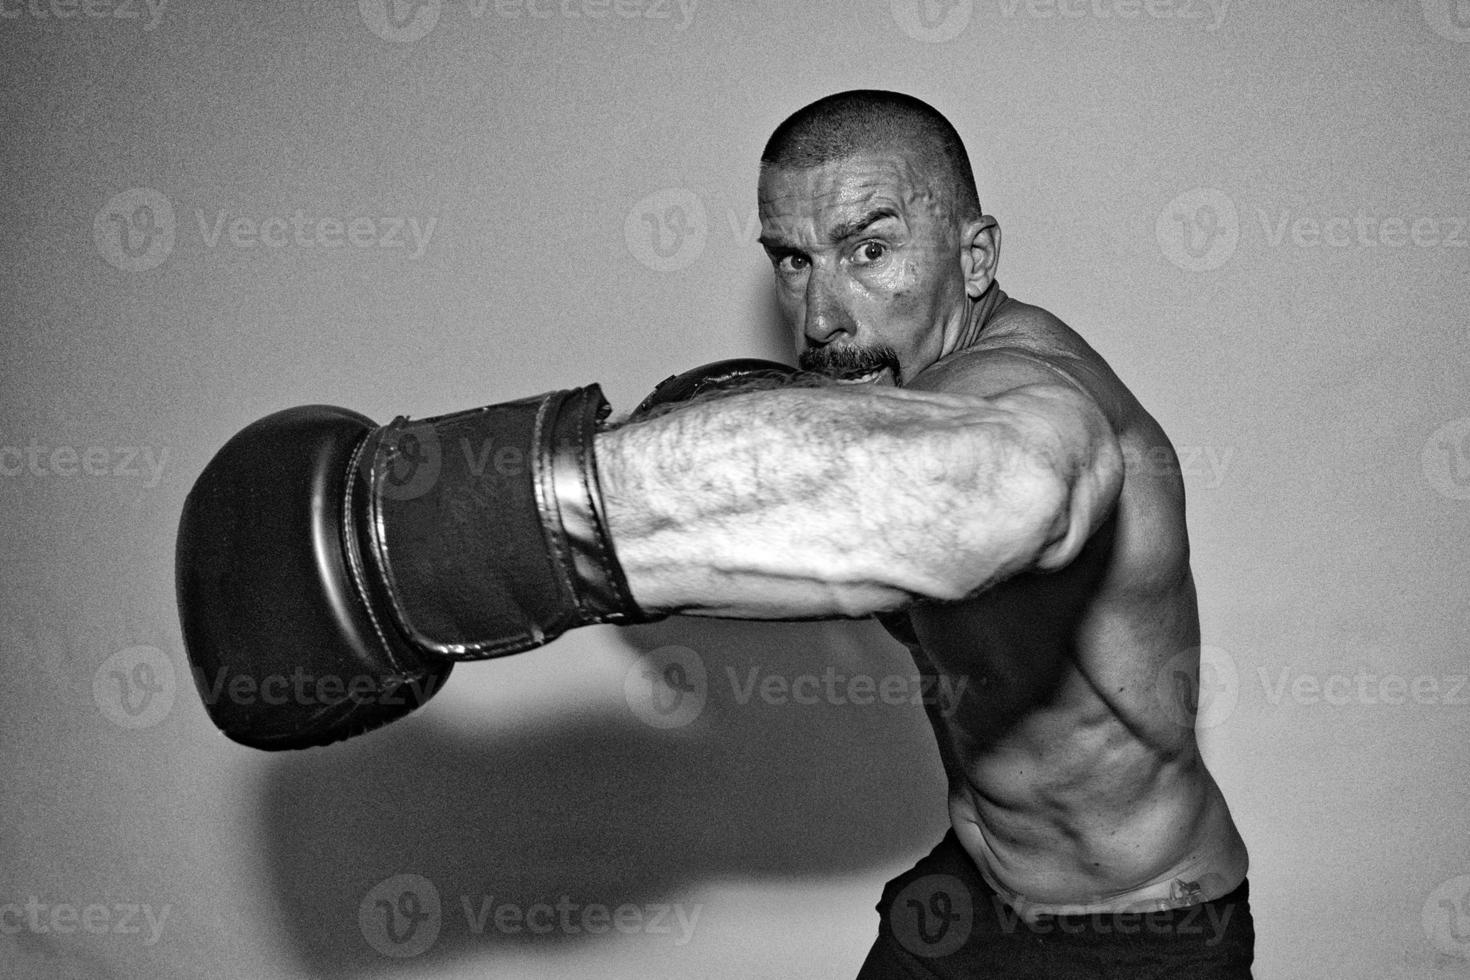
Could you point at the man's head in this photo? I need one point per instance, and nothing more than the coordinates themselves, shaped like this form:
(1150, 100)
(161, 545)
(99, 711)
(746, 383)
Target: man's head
(870, 216)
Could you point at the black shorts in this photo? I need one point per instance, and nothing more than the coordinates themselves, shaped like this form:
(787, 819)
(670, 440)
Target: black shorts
(940, 919)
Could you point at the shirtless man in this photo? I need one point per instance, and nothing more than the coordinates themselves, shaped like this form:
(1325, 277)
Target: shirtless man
(972, 473)
(995, 493)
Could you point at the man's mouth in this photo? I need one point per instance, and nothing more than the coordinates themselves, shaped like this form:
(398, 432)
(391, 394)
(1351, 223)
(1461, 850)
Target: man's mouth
(878, 376)
(853, 365)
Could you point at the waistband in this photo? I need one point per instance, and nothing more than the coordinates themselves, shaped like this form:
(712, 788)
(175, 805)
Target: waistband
(1164, 896)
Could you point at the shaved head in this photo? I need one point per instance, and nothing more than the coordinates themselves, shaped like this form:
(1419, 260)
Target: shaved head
(867, 120)
(874, 231)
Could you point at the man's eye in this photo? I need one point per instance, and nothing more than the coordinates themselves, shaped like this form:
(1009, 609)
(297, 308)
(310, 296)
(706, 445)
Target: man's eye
(870, 252)
(792, 263)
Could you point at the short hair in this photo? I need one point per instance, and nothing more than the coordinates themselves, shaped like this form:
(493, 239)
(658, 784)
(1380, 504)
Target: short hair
(848, 123)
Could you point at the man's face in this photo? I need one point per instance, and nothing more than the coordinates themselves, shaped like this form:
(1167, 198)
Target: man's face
(867, 258)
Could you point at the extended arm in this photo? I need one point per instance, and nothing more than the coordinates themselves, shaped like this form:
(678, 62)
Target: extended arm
(352, 563)
(829, 502)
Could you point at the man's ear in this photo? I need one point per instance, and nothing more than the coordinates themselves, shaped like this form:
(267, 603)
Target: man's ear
(979, 253)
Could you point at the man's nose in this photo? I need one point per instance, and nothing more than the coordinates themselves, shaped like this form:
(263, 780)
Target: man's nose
(826, 319)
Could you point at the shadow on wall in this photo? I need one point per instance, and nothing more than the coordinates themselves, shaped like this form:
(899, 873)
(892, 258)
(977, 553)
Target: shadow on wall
(606, 811)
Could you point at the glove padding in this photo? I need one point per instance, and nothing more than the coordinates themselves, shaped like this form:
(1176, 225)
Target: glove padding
(330, 571)
(745, 373)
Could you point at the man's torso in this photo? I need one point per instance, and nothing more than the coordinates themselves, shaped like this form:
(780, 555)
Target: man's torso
(1075, 780)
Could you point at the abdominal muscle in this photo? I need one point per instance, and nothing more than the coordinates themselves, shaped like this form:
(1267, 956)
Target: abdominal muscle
(1073, 785)
(1155, 837)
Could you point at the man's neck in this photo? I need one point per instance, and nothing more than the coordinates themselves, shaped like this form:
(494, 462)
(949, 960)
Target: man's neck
(981, 314)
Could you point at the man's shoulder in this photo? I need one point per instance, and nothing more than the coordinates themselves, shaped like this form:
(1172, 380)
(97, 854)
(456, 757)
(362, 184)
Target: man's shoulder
(1025, 344)
(1021, 329)
(1016, 319)
(1024, 332)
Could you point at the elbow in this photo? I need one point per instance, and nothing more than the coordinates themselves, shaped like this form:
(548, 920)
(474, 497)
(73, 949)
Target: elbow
(1079, 498)
(1025, 498)
(1027, 528)
(1057, 535)
(1051, 504)
(1043, 531)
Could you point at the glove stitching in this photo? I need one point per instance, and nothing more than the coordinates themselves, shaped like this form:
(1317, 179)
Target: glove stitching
(592, 487)
(580, 459)
(549, 511)
(354, 563)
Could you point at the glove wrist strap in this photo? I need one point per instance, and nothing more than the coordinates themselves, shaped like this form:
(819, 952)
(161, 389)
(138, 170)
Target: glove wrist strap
(570, 499)
(485, 528)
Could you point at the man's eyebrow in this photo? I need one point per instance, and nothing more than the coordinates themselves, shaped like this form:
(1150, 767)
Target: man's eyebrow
(838, 232)
(846, 229)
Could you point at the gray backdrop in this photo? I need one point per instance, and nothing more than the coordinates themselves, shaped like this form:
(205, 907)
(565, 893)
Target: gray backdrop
(1257, 213)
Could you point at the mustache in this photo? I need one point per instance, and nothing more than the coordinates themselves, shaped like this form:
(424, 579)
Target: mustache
(848, 362)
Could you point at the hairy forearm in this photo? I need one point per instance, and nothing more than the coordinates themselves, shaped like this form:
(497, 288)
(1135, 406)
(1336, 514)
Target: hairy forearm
(827, 502)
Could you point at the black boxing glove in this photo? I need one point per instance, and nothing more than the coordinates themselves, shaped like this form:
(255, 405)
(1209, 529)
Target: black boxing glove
(738, 373)
(331, 571)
